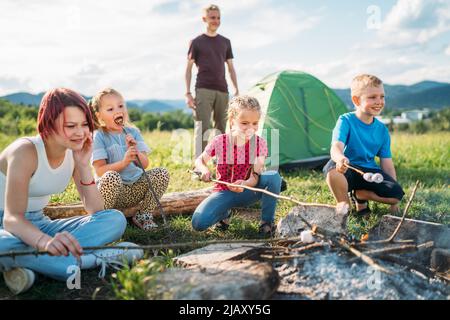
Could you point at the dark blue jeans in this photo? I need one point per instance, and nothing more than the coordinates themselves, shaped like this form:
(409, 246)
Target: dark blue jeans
(217, 206)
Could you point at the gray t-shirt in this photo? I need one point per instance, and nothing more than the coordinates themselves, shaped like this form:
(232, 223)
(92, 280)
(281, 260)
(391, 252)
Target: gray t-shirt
(210, 55)
(112, 148)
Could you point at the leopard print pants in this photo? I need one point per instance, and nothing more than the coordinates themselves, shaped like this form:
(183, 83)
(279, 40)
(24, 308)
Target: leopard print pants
(118, 195)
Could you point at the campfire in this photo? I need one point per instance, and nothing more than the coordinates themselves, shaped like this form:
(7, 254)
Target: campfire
(326, 264)
(312, 257)
(327, 274)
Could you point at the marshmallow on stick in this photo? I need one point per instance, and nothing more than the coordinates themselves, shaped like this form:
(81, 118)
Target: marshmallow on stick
(368, 176)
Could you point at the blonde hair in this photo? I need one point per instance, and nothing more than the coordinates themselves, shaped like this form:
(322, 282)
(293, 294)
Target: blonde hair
(362, 82)
(95, 104)
(211, 7)
(239, 103)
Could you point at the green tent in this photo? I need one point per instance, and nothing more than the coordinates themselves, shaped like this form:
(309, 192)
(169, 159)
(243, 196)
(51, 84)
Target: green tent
(304, 110)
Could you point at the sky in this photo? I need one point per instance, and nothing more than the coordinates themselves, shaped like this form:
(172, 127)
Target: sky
(140, 47)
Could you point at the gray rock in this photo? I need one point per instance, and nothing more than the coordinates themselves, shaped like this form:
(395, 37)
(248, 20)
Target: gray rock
(417, 230)
(240, 280)
(324, 216)
(440, 260)
(217, 253)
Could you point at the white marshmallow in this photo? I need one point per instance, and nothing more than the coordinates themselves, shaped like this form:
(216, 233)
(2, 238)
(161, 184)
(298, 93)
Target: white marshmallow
(377, 178)
(306, 236)
(368, 176)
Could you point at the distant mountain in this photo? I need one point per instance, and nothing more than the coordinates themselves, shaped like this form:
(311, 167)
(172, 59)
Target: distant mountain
(24, 98)
(158, 105)
(425, 94)
(151, 105)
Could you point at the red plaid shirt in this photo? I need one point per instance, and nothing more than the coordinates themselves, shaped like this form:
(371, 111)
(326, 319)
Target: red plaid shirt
(234, 162)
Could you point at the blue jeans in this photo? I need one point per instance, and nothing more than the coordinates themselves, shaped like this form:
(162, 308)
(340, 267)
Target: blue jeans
(217, 206)
(91, 230)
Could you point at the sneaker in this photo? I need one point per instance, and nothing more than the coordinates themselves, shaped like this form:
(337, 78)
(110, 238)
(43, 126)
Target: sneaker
(266, 230)
(363, 212)
(19, 280)
(114, 258)
(222, 225)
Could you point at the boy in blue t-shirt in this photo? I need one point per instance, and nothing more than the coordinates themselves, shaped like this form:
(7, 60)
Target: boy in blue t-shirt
(358, 138)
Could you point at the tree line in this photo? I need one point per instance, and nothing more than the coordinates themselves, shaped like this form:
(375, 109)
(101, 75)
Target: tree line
(20, 119)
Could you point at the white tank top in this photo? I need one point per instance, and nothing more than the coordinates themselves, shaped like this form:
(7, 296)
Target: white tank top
(45, 180)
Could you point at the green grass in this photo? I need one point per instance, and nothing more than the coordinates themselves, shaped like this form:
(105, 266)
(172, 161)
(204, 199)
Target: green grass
(417, 157)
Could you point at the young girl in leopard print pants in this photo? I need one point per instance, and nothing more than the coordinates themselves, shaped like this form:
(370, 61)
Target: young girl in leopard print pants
(115, 159)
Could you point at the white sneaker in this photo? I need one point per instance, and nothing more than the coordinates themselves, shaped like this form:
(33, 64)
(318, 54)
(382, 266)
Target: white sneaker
(19, 280)
(115, 258)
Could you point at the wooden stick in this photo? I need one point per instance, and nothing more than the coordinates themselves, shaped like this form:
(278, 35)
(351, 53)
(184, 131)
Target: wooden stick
(404, 213)
(354, 169)
(310, 246)
(283, 258)
(400, 249)
(397, 229)
(364, 257)
(320, 230)
(14, 254)
(377, 242)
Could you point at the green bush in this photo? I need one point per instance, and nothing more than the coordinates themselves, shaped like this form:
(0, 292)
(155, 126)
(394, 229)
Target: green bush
(21, 119)
(419, 127)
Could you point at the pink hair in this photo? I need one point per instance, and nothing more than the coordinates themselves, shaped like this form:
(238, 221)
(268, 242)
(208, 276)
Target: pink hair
(52, 105)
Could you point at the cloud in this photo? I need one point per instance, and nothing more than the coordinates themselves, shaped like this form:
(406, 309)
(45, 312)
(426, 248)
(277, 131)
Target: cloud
(270, 25)
(414, 22)
(141, 49)
(11, 83)
(447, 51)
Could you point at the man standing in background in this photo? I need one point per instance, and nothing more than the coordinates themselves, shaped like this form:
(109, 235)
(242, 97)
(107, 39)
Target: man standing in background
(209, 51)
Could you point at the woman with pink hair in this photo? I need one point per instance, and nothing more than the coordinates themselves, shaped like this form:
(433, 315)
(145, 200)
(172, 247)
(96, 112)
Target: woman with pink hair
(34, 168)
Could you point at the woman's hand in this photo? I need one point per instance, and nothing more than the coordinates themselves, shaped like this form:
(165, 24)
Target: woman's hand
(237, 189)
(83, 156)
(62, 244)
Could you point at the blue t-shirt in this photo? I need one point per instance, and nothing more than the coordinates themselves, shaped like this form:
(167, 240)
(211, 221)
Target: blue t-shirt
(112, 148)
(363, 142)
